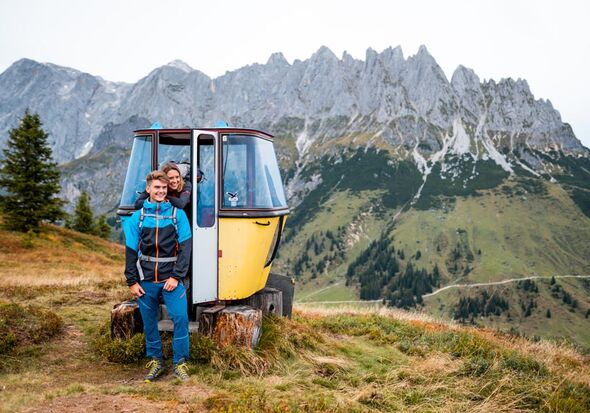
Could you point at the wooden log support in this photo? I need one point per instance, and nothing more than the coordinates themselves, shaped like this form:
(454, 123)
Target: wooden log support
(234, 325)
(269, 300)
(126, 320)
(207, 319)
(287, 286)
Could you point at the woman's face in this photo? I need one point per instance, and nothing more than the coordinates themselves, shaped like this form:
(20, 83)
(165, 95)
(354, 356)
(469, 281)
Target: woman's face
(174, 178)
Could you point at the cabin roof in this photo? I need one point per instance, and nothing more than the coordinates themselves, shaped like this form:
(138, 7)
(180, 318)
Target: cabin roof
(219, 130)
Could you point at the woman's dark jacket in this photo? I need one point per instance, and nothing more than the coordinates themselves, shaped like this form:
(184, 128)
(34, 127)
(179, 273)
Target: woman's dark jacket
(179, 200)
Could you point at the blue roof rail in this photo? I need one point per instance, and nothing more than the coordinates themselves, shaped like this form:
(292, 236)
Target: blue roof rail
(221, 124)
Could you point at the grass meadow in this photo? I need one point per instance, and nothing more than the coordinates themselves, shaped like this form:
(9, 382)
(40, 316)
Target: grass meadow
(340, 359)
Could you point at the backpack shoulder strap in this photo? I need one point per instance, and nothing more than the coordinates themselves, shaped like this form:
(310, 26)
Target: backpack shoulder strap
(141, 217)
(174, 221)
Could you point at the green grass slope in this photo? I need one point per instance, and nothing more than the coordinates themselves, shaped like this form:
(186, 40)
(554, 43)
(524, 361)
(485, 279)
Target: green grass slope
(505, 233)
(490, 228)
(549, 317)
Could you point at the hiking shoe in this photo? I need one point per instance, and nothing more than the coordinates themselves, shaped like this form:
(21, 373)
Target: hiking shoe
(181, 370)
(156, 369)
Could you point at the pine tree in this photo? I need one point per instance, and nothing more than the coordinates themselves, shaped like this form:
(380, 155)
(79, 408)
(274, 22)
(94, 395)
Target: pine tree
(103, 229)
(83, 219)
(30, 177)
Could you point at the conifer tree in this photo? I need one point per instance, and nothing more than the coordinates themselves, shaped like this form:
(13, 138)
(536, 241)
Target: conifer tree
(29, 177)
(103, 229)
(83, 219)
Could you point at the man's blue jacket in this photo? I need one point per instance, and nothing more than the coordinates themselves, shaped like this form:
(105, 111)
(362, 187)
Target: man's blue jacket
(157, 245)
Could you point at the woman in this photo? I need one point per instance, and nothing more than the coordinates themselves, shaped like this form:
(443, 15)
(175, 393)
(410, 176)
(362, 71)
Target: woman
(179, 190)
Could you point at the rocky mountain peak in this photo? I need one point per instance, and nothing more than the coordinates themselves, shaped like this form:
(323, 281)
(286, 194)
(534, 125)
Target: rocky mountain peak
(393, 56)
(323, 54)
(347, 59)
(422, 66)
(464, 79)
(277, 59)
(179, 64)
(370, 56)
(423, 56)
(24, 64)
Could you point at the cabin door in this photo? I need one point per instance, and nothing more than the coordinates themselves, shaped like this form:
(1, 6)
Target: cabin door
(205, 228)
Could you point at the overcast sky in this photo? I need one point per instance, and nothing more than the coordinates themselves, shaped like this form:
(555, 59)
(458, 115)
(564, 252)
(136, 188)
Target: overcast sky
(545, 42)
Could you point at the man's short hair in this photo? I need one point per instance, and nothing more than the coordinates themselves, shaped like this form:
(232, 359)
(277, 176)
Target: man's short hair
(157, 175)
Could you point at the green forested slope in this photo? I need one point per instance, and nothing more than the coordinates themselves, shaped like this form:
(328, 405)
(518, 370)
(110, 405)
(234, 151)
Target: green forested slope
(485, 227)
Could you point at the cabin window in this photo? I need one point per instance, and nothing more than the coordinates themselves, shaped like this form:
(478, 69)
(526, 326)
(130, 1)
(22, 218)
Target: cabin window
(206, 188)
(140, 164)
(251, 177)
(175, 149)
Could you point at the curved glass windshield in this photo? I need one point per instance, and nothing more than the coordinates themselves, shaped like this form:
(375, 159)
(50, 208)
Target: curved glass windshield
(140, 165)
(251, 177)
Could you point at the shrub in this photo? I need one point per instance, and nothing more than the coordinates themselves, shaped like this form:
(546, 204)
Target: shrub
(7, 341)
(570, 397)
(201, 349)
(24, 326)
(124, 351)
(520, 363)
(476, 366)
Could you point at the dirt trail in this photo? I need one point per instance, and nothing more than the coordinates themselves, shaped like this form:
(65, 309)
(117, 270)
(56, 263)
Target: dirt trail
(70, 365)
(511, 280)
(534, 277)
(101, 403)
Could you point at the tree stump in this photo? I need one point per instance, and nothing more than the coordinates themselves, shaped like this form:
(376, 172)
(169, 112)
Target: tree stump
(235, 325)
(287, 286)
(126, 320)
(269, 300)
(207, 319)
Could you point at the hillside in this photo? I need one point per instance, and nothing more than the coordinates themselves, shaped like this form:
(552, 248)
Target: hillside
(482, 226)
(322, 360)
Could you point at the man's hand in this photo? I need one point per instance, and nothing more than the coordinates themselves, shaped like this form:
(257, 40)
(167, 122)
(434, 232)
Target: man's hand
(171, 284)
(136, 290)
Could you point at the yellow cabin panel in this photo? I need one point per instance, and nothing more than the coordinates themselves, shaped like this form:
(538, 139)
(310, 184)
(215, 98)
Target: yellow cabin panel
(244, 244)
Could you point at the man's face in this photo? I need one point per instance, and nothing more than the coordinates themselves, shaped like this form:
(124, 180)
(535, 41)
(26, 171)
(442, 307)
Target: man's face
(157, 190)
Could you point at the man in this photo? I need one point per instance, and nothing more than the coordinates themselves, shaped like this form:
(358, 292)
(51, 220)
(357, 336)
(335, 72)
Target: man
(158, 247)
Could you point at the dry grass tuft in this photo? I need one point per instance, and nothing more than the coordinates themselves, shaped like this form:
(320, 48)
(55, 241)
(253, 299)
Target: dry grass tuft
(310, 310)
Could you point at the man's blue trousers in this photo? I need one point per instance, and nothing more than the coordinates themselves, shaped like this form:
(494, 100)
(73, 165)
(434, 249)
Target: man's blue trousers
(176, 305)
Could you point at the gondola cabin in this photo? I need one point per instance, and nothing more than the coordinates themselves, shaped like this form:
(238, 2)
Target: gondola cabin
(238, 208)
